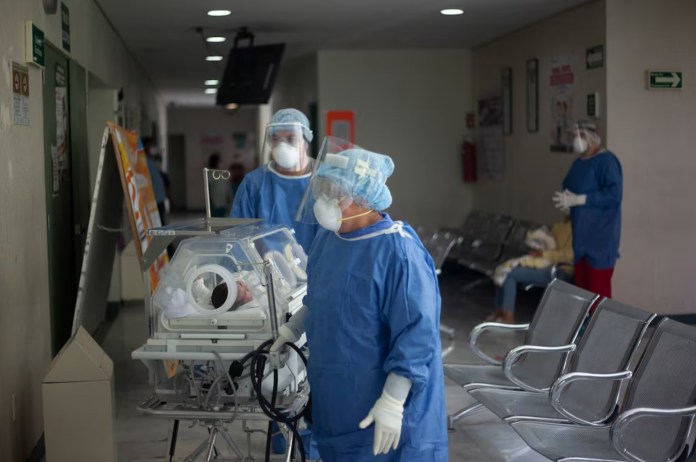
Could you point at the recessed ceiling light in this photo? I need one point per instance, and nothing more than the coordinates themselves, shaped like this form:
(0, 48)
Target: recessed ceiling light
(232, 106)
(212, 82)
(213, 58)
(216, 39)
(219, 13)
(210, 91)
(452, 11)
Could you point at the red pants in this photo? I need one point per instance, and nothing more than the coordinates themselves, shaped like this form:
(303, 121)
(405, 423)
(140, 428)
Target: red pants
(594, 280)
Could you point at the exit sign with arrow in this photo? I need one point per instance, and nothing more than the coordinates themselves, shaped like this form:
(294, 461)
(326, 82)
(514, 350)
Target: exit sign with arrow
(665, 80)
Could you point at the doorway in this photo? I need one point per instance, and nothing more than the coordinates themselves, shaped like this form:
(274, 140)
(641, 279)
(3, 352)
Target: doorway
(61, 219)
(176, 166)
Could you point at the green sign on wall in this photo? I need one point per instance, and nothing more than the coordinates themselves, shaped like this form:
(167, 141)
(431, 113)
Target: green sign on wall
(65, 20)
(665, 80)
(35, 44)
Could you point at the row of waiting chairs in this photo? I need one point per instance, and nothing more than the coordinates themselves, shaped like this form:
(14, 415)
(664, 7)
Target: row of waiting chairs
(484, 241)
(599, 396)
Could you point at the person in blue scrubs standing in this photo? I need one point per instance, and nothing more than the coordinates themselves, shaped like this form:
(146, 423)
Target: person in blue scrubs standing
(372, 319)
(273, 191)
(592, 192)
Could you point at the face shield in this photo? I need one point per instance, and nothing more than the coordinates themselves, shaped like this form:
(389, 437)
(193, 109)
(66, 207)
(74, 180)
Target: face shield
(285, 145)
(344, 174)
(585, 137)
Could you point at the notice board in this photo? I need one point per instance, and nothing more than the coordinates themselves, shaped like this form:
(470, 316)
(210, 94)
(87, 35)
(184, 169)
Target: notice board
(140, 197)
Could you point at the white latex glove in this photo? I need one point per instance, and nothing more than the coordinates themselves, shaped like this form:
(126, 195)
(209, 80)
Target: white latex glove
(565, 199)
(285, 335)
(292, 330)
(388, 414)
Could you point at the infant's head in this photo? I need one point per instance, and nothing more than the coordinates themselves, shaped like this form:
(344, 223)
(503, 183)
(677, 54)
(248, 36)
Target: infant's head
(220, 293)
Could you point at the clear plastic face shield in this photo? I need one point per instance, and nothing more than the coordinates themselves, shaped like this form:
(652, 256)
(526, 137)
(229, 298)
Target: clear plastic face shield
(333, 185)
(585, 137)
(287, 147)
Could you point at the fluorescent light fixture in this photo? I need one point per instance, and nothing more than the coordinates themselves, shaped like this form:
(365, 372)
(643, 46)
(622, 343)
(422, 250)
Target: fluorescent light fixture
(452, 11)
(216, 39)
(232, 106)
(213, 58)
(210, 91)
(219, 13)
(212, 83)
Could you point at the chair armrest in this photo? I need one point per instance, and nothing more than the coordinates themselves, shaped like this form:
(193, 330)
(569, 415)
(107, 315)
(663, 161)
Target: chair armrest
(620, 426)
(557, 389)
(514, 355)
(481, 328)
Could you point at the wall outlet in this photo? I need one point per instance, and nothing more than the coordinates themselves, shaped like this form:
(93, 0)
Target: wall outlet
(14, 408)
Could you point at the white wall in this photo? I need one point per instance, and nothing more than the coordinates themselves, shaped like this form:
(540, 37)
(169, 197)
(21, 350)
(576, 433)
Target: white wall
(652, 133)
(201, 126)
(532, 171)
(410, 105)
(297, 84)
(24, 302)
(101, 106)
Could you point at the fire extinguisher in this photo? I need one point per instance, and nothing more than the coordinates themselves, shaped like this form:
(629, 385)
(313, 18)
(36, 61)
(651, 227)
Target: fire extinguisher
(469, 161)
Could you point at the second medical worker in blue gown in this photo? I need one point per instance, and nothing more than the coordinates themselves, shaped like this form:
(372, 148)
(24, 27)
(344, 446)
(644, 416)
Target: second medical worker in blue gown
(372, 320)
(593, 191)
(273, 192)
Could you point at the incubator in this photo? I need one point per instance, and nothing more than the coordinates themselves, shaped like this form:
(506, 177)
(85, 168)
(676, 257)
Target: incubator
(213, 316)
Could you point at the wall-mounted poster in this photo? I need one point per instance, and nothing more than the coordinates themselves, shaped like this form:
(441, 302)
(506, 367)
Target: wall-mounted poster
(532, 95)
(491, 163)
(561, 81)
(506, 91)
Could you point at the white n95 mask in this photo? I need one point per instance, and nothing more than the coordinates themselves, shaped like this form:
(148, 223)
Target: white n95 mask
(328, 213)
(579, 145)
(286, 155)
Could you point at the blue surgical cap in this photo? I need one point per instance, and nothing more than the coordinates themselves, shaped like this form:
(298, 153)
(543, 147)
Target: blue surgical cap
(361, 173)
(293, 116)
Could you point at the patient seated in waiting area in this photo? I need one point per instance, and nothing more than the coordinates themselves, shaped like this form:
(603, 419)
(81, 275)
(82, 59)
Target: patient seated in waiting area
(547, 249)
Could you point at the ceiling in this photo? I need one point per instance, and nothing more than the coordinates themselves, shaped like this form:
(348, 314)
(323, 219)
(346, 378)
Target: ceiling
(161, 34)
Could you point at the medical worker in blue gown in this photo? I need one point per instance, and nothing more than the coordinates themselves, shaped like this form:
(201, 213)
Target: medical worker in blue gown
(273, 192)
(592, 193)
(372, 319)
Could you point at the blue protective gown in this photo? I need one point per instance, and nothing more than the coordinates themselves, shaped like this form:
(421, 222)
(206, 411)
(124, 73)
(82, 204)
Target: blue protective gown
(275, 198)
(374, 308)
(597, 224)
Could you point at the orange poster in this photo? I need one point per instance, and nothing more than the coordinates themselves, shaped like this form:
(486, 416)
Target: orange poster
(137, 187)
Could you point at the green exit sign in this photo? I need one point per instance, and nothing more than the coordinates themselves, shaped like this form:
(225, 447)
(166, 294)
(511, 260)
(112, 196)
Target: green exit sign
(35, 44)
(665, 80)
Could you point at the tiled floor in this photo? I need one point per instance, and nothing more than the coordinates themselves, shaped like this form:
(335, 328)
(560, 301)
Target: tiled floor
(141, 438)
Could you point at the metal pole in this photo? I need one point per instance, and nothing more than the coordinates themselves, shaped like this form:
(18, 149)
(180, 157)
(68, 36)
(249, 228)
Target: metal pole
(211, 444)
(267, 270)
(207, 193)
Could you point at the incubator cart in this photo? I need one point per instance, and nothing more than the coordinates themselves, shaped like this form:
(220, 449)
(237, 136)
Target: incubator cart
(219, 301)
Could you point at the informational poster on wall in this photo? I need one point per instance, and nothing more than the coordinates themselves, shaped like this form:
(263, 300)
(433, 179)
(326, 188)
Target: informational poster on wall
(20, 94)
(561, 81)
(140, 202)
(61, 93)
(491, 161)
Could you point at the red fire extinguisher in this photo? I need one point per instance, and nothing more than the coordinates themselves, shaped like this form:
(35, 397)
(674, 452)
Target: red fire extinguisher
(469, 161)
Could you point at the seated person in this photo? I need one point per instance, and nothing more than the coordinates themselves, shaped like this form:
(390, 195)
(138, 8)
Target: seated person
(534, 268)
